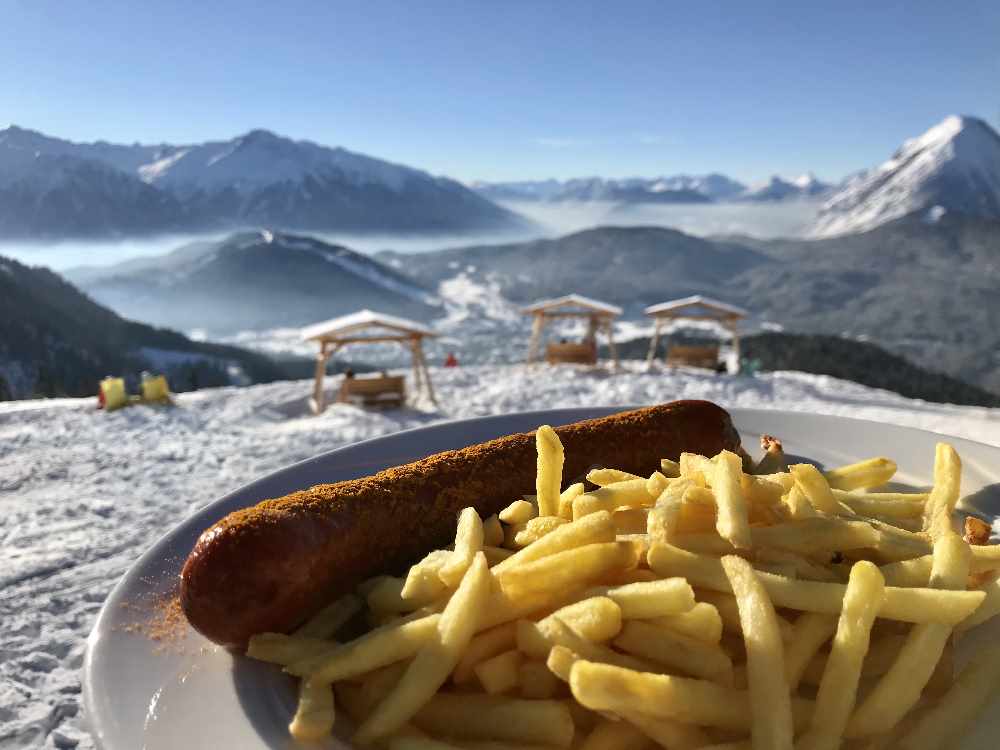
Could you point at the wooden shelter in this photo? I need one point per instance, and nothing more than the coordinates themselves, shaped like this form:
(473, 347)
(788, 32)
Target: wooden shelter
(600, 317)
(368, 327)
(694, 308)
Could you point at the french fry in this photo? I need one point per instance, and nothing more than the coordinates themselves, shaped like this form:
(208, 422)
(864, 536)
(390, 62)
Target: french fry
(631, 493)
(518, 512)
(483, 646)
(532, 640)
(550, 468)
(566, 498)
(725, 605)
(809, 632)
(732, 522)
(594, 529)
(467, 716)
(330, 619)
(814, 486)
(437, 657)
(765, 490)
(315, 714)
(872, 472)
(565, 569)
(913, 572)
(891, 504)
(423, 581)
(838, 688)
(377, 648)
(691, 656)
(536, 681)
(596, 618)
(282, 649)
(499, 673)
(945, 722)
(989, 609)
(669, 734)
(642, 601)
(796, 505)
(631, 520)
(510, 532)
(945, 493)
(386, 597)
(900, 688)
(614, 735)
(560, 661)
(604, 687)
(656, 484)
(468, 542)
(543, 525)
(696, 468)
(770, 699)
(410, 742)
(800, 566)
(702, 622)
(604, 477)
(905, 604)
(882, 653)
(670, 468)
(496, 555)
(663, 520)
(816, 536)
(492, 531)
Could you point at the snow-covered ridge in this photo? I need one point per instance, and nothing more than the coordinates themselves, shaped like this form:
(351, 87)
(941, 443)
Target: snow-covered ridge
(353, 263)
(954, 165)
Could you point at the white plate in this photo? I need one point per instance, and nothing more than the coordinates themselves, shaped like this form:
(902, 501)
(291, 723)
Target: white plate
(189, 693)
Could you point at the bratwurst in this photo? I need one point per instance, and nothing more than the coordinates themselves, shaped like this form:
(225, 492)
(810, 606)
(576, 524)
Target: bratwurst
(268, 568)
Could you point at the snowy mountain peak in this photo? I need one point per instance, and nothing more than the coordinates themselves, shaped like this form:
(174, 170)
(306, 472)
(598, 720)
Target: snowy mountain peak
(955, 165)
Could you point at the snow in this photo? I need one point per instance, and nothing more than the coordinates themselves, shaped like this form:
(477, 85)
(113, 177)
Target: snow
(573, 300)
(363, 319)
(956, 164)
(696, 299)
(84, 492)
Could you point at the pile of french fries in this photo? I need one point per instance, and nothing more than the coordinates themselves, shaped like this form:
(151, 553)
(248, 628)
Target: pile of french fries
(711, 605)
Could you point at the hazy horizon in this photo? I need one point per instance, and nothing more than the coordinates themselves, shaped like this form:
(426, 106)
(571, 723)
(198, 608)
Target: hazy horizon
(762, 220)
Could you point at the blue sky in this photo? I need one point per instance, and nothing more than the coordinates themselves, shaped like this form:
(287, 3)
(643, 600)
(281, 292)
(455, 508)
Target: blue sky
(511, 90)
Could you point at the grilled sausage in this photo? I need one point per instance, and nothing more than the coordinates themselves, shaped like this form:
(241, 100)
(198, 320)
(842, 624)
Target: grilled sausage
(270, 567)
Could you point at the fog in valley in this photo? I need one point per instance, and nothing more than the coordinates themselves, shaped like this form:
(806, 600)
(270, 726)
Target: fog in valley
(782, 219)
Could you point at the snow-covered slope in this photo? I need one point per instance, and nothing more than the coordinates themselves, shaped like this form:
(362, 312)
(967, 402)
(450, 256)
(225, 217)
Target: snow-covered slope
(218, 287)
(253, 179)
(85, 493)
(955, 166)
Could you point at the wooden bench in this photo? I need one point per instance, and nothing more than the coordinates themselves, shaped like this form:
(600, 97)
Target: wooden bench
(381, 390)
(694, 356)
(571, 353)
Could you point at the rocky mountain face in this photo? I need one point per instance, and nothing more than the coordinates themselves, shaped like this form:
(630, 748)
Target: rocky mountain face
(954, 166)
(52, 188)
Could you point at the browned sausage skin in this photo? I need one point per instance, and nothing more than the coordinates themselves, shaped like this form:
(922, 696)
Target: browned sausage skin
(269, 567)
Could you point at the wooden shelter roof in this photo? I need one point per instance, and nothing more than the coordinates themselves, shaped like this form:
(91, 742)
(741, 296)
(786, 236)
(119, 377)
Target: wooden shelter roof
(696, 306)
(353, 324)
(560, 304)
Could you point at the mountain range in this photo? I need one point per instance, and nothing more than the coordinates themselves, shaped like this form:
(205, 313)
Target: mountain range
(638, 190)
(52, 188)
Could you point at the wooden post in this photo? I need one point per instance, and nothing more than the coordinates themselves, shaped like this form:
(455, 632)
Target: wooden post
(734, 327)
(418, 385)
(611, 342)
(651, 355)
(537, 324)
(318, 401)
(427, 375)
